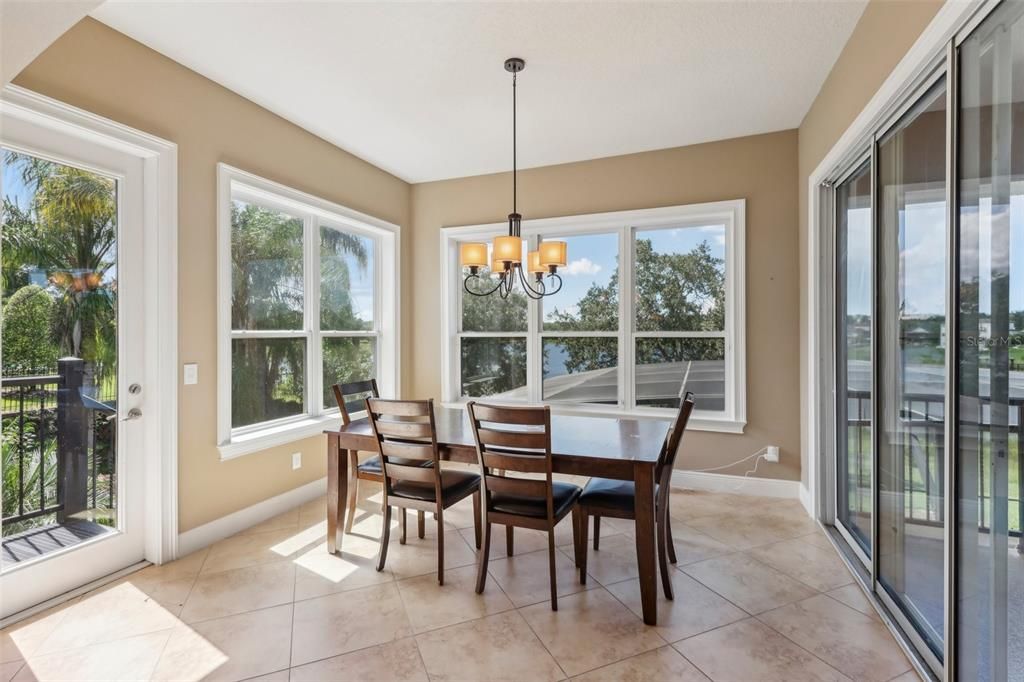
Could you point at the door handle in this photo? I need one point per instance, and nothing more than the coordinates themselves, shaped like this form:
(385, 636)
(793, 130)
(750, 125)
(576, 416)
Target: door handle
(133, 413)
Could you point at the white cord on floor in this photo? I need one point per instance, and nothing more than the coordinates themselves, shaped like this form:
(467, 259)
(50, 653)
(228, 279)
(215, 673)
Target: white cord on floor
(760, 455)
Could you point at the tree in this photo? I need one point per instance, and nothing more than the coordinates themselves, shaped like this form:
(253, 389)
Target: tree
(27, 346)
(496, 364)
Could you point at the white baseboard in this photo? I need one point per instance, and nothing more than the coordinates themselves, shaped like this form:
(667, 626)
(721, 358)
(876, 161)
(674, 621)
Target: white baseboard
(726, 483)
(805, 499)
(208, 533)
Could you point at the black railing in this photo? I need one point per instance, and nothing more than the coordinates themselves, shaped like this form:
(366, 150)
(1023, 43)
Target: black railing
(922, 423)
(59, 446)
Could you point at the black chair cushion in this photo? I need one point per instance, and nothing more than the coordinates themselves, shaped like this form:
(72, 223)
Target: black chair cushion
(563, 495)
(372, 465)
(609, 493)
(455, 485)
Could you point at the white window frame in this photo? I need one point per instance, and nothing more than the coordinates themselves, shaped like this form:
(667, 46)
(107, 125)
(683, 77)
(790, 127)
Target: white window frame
(731, 214)
(233, 183)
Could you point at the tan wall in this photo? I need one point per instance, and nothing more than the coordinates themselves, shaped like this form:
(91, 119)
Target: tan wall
(884, 34)
(762, 169)
(102, 71)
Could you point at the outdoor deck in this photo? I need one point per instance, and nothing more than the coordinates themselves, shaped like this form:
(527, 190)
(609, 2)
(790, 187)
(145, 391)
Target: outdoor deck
(38, 542)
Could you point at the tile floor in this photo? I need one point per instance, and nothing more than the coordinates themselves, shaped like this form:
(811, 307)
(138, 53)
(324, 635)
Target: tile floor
(760, 595)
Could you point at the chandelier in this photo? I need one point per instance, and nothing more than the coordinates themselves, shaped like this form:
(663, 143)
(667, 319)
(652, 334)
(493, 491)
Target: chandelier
(506, 261)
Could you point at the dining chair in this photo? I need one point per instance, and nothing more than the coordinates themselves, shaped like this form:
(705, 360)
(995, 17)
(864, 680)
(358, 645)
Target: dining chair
(351, 398)
(518, 440)
(406, 439)
(608, 497)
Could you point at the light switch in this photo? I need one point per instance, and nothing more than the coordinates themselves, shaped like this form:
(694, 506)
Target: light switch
(191, 374)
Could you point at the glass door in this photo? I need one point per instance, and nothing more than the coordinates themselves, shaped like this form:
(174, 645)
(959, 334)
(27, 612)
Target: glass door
(72, 465)
(854, 334)
(911, 190)
(989, 585)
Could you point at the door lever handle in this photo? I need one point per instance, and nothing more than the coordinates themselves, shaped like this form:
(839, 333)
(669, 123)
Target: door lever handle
(133, 413)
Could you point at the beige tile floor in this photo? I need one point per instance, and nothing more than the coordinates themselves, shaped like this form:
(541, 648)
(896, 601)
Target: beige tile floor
(760, 595)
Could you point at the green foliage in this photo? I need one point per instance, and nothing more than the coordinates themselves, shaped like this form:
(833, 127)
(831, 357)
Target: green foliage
(15, 440)
(27, 345)
(346, 359)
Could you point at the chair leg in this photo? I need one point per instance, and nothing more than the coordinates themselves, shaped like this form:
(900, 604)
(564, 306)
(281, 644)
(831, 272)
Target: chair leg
(385, 537)
(576, 536)
(402, 521)
(597, 533)
(476, 518)
(485, 551)
(666, 578)
(671, 543)
(508, 540)
(584, 528)
(353, 484)
(421, 525)
(551, 569)
(440, 548)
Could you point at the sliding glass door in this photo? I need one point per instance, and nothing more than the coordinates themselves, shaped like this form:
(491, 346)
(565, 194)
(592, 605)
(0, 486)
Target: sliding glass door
(911, 229)
(989, 583)
(854, 442)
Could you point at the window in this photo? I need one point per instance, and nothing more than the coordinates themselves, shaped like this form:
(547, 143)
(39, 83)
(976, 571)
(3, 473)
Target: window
(649, 308)
(303, 305)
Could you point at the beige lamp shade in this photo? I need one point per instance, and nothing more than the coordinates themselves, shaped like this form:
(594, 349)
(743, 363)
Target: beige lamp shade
(553, 253)
(533, 264)
(472, 254)
(497, 268)
(508, 249)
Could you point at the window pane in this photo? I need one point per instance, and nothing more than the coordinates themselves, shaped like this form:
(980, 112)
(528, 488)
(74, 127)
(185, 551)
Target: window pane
(589, 299)
(853, 361)
(581, 370)
(910, 365)
(267, 379)
(492, 313)
(494, 367)
(266, 268)
(680, 279)
(347, 359)
(346, 281)
(663, 365)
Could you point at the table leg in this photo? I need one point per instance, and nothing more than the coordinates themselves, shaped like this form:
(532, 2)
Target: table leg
(337, 490)
(643, 477)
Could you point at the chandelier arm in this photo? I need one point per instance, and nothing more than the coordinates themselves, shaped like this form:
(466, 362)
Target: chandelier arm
(555, 276)
(465, 285)
(528, 288)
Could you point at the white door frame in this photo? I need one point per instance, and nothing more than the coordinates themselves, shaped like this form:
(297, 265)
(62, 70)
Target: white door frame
(160, 318)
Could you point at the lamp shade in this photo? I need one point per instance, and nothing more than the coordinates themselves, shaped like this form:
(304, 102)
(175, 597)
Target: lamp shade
(497, 268)
(508, 249)
(473, 254)
(553, 253)
(533, 263)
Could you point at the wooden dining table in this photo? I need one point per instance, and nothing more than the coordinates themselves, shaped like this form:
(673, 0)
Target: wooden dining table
(605, 447)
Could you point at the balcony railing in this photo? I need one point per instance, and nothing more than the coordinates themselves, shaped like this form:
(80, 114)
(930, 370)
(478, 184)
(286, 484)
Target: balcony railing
(922, 422)
(59, 447)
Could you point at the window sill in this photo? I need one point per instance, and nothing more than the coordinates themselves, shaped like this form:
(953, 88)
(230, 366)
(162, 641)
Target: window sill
(698, 421)
(279, 434)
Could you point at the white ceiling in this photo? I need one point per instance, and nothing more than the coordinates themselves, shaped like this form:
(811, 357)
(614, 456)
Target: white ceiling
(419, 90)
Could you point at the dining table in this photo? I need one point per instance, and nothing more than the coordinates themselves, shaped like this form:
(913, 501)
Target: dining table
(619, 448)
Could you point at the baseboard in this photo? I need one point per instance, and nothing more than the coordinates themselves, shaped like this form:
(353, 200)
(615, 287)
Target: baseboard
(208, 533)
(726, 483)
(805, 500)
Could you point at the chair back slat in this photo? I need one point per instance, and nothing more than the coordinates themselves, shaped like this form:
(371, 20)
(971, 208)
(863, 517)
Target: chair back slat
(404, 429)
(403, 445)
(408, 451)
(503, 445)
(667, 458)
(514, 461)
(524, 487)
(351, 397)
(527, 440)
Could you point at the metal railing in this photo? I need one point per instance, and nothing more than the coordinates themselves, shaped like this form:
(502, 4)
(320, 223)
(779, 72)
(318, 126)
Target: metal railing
(59, 447)
(922, 424)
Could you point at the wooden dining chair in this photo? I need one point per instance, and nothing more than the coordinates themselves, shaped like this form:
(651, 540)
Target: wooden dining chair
(608, 497)
(406, 438)
(351, 398)
(518, 440)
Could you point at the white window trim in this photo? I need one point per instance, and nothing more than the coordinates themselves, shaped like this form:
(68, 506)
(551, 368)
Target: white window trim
(732, 214)
(314, 212)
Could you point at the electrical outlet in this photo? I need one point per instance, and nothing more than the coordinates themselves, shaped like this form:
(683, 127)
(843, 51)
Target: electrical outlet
(191, 374)
(772, 453)
(296, 460)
